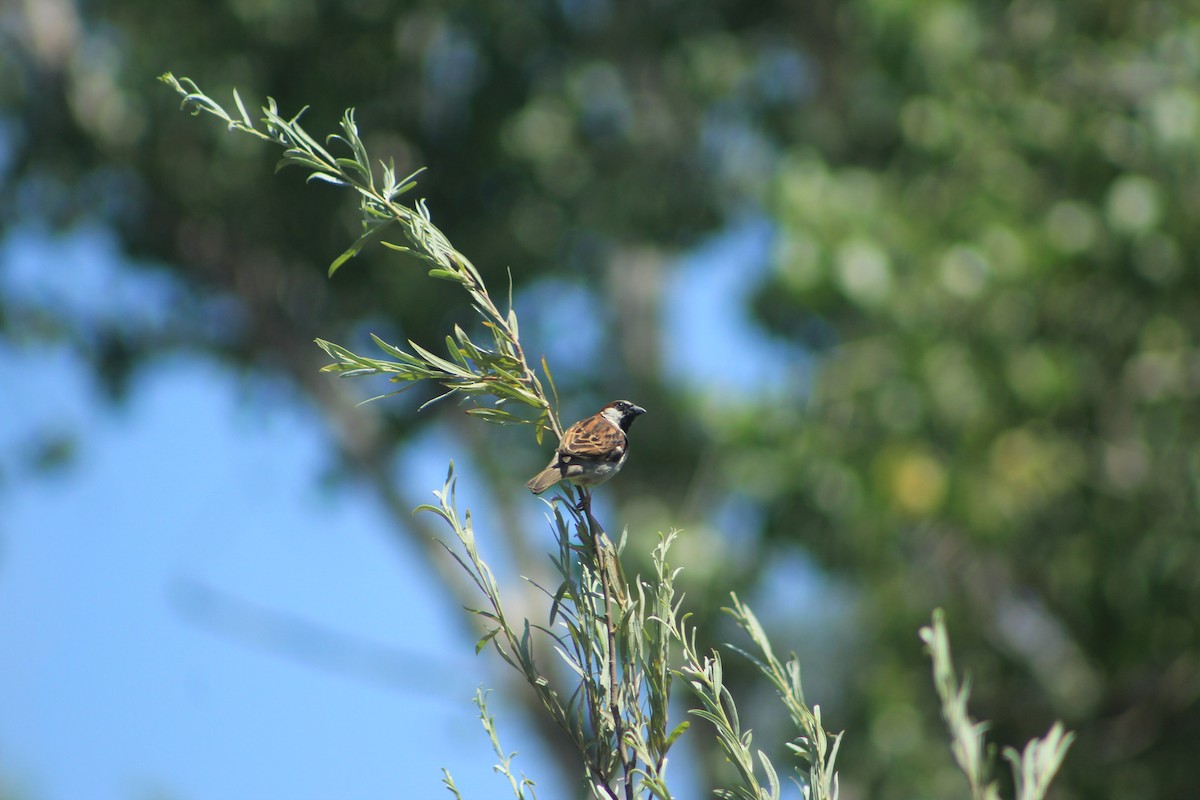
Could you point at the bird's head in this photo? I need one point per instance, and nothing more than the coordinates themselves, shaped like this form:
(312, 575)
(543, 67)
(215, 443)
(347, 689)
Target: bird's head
(622, 413)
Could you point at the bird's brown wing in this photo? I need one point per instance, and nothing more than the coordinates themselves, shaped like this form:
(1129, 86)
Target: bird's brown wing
(593, 438)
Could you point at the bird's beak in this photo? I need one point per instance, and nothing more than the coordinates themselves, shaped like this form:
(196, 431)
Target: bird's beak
(638, 410)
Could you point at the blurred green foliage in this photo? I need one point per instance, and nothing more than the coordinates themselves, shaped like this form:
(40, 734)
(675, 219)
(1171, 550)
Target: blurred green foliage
(985, 230)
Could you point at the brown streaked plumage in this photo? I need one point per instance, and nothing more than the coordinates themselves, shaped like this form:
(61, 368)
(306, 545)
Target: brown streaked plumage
(592, 450)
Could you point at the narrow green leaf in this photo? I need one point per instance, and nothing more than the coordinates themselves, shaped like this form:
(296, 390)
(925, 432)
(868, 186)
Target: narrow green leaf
(432, 509)
(313, 145)
(550, 380)
(675, 734)
(371, 233)
(448, 367)
(571, 662)
(495, 416)
(350, 165)
(455, 351)
(772, 778)
(242, 108)
(355, 141)
(400, 248)
(558, 597)
(483, 641)
(441, 396)
(325, 177)
(411, 179)
(391, 349)
(512, 322)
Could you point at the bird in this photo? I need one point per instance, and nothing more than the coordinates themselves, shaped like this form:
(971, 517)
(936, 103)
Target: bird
(592, 450)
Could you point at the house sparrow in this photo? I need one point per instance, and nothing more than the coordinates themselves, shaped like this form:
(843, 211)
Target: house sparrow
(592, 450)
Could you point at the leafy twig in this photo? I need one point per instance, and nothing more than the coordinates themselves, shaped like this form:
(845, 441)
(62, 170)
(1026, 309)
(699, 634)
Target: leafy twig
(1033, 769)
(499, 373)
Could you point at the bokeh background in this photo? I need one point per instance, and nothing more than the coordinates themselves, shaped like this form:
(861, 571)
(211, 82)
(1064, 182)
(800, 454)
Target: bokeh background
(910, 289)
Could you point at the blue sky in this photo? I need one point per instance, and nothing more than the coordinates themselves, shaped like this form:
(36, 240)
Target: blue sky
(110, 687)
(120, 676)
(112, 690)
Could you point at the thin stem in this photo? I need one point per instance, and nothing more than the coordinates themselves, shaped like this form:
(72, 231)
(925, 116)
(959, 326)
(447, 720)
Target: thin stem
(596, 531)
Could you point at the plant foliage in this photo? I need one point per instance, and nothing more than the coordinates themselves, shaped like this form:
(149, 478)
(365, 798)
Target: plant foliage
(624, 645)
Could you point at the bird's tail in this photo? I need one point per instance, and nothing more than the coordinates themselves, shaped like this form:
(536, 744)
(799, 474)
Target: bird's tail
(543, 480)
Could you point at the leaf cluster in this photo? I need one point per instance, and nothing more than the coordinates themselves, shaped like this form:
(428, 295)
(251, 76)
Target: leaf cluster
(1033, 768)
(598, 631)
(622, 727)
(497, 373)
